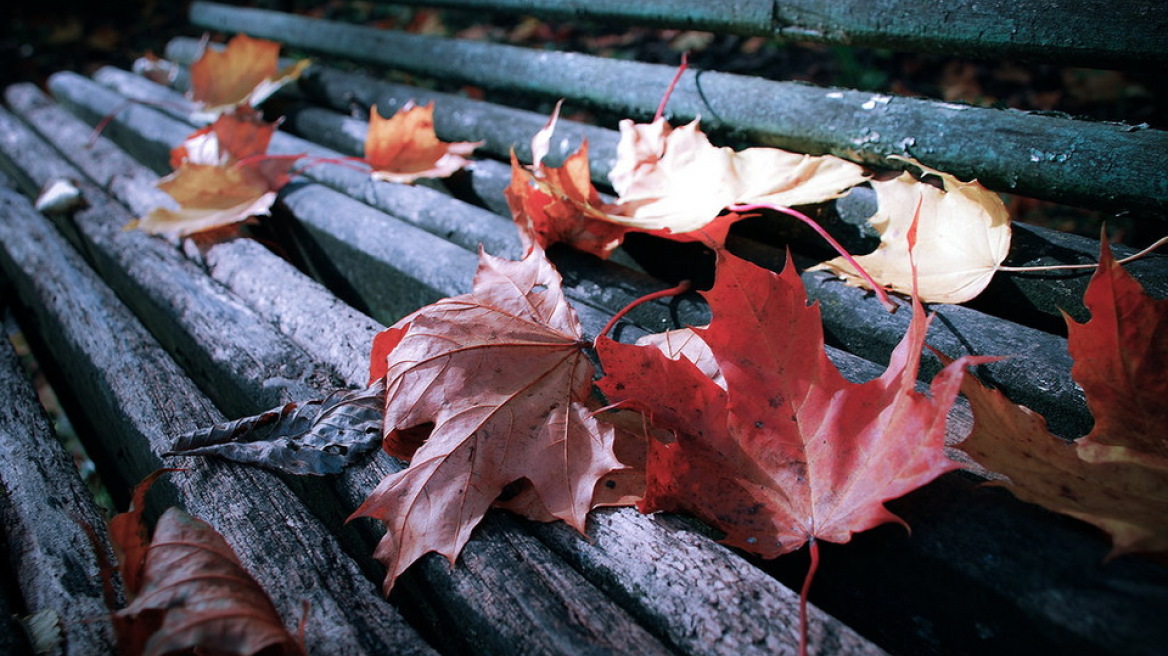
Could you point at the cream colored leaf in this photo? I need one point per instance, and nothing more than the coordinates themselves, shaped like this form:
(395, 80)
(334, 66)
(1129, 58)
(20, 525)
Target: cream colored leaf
(963, 234)
(676, 180)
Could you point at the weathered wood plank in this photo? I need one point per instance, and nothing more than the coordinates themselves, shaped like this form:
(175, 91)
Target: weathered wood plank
(1130, 32)
(1115, 167)
(134, 391)
(1078, 551)
(169, 292)
(55, 534)
(491, 617)
(1035, 299)
(733, 615)
(963, 536)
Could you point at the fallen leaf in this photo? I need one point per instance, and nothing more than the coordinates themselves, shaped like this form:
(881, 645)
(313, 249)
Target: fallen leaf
(687, 344)
(196, 595)
(404, 147)
(675, 181)
(554, 205)
(671, 183)
(129, 536)
(1116, 477)
(787, 450)
(546, 216)
(1121, 362)
(223, 176)
(501, 375)
(156, 69)
(318, 437)
(243, 73)
(963, 234)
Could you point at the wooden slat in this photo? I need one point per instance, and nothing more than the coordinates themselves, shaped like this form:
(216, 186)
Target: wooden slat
(1130, 32)
(1105, 165)
(730, 608)
(138, 396)
(55, 534)
(1038, 375)
(493, 616)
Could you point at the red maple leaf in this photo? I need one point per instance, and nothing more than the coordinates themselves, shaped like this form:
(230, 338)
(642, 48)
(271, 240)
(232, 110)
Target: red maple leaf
(501, 375)
(788, 451)
(1121, 360)
(561, 207)
(1116, 477)
(554, 205)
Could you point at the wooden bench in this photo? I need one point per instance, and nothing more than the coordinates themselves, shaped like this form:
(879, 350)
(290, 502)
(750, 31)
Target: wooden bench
(145, 341)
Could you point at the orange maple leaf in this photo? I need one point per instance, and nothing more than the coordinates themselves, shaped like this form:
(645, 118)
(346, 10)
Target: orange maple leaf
(222, 177)
(502, 376)
(1116, 477)
(244, 73)
(404, 147)
(787, 450)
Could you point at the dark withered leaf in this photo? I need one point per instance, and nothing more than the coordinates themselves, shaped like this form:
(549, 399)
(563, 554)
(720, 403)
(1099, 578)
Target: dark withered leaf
(318, 437)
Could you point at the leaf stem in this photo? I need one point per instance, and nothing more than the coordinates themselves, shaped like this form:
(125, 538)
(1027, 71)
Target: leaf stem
(811, 569)
(113, 113)
(880, 293)
(681, 288)
(1069, 267)
(672, 85)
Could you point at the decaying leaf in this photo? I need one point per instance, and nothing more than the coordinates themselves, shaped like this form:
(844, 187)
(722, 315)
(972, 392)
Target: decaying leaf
(314, 437)
(1116, 477)
(403, 148)
(195, 595)
(1121, 362)
(222, 176)
(501, 375)
(129, 536)
(243, 73)
(559, 204)
(670, 182)
(675, 181)
(963, 234)
(787, 450)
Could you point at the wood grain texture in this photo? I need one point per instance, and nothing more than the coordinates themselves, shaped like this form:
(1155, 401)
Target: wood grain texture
(1074, 162)
(1130, 32)
(139, 397)
(55, 534)
(514, 595)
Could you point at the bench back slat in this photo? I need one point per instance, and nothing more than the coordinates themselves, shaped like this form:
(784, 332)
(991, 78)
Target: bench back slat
(1112, 166)
(1121, 33)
